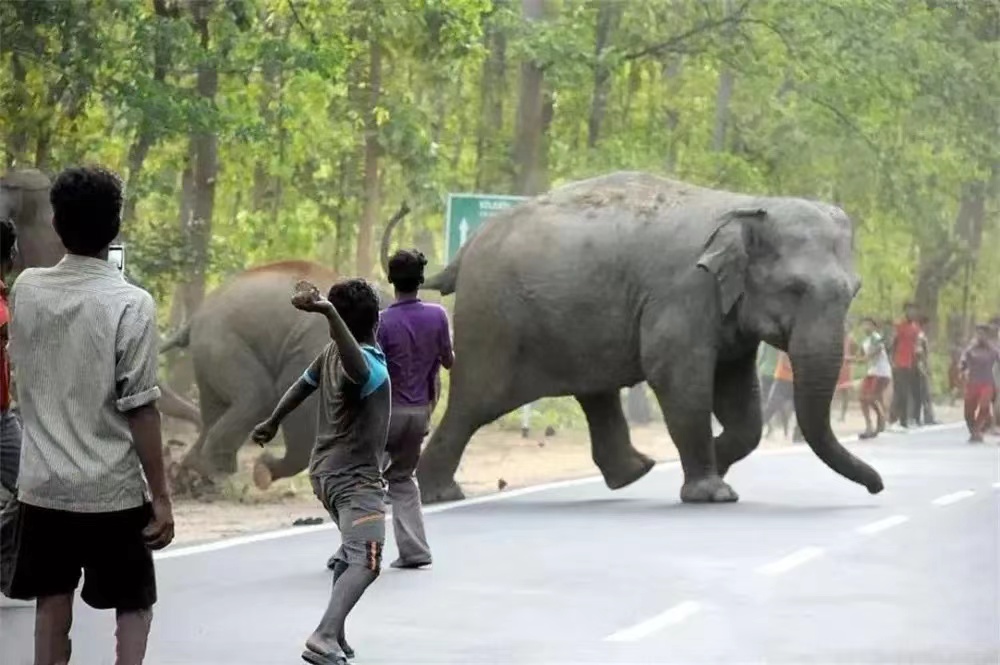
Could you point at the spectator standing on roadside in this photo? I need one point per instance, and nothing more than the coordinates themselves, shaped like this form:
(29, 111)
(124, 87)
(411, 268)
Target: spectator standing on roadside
(92, 451)
(995, 328)
(767, 362)
(925, 413)
(416, 340)
(978, 364)
(781, 400)
(10, 428)
(876, 380)
(905, 378)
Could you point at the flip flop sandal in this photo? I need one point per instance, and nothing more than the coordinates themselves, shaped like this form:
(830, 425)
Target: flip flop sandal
(331, 658)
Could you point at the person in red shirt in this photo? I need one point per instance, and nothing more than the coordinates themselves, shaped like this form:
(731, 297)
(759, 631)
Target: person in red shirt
(10, 427)
(905, 372)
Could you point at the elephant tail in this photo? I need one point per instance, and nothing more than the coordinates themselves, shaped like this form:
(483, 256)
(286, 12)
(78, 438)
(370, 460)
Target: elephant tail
(179, 340)
(390, 226)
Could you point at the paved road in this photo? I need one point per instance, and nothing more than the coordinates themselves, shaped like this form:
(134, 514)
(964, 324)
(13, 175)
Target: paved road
(806, 568)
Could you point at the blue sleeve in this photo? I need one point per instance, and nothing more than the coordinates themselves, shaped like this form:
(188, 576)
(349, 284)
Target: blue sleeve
(378, 373)
(309, 376)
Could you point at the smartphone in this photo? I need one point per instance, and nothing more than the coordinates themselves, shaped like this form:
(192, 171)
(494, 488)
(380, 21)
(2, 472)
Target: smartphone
(116, 257)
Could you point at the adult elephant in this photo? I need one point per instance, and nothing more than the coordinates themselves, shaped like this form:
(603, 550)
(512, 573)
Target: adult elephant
(24, 198)
(628, 277)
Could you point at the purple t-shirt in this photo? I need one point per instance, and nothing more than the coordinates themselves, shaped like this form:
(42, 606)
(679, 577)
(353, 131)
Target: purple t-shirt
(414, 336)
(979, 361)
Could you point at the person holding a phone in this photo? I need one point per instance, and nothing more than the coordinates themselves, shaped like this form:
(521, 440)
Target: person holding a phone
(92, 492)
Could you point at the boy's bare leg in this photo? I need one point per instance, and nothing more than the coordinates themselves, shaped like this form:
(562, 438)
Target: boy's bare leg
(347, 590)
(132, 634)
(53, 619)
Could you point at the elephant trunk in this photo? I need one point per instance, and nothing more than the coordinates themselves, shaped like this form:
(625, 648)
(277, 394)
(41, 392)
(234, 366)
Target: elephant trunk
(816, 349)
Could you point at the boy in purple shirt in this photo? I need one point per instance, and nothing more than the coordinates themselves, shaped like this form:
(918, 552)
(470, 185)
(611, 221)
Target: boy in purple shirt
(978, 364)
(416, 340)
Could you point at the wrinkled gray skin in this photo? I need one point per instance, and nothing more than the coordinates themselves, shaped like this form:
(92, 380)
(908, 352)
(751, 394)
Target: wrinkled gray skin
(607, 282)
(24, 198)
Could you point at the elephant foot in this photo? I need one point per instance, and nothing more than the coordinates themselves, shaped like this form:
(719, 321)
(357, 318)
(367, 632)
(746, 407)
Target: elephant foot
(262, 476)
(441, 492)
(711, 489)
(623, 474)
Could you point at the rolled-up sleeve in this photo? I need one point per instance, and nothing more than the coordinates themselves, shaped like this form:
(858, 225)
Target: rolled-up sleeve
(136, 350)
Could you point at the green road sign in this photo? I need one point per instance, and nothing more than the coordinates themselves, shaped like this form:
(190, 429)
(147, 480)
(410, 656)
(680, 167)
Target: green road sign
(466, 213)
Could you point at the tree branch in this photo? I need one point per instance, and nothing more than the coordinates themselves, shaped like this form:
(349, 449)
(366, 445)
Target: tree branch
(671, 45)
(309, 33)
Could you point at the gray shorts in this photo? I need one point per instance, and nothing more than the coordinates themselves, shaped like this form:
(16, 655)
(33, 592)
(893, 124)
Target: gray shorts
(359, 513)
(10, 449)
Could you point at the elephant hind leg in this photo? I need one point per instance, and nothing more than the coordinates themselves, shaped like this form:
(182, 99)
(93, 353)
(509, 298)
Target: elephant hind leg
(736, 404)
(611, 447)
(299, 430)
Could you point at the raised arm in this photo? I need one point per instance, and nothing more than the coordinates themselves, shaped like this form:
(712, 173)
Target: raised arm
(444, 342)
(308, 299)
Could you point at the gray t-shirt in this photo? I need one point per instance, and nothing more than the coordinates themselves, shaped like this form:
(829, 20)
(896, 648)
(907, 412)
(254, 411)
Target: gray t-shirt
(352, 422)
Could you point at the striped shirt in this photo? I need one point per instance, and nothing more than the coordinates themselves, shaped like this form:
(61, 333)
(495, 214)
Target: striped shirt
(83, 345)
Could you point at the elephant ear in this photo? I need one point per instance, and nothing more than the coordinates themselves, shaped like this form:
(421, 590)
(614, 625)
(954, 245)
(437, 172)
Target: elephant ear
(725, 256)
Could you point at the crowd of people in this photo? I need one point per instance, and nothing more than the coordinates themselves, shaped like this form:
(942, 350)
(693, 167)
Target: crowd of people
(895, 356)
(84, 489)
(84, 493)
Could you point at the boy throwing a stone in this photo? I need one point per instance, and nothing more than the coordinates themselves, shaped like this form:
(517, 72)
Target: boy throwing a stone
(352, 425)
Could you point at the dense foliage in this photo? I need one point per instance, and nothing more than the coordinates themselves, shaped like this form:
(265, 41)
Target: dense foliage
(252, 130)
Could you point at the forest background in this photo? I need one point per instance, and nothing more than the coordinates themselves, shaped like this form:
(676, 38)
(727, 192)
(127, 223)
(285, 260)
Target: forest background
(250, 131)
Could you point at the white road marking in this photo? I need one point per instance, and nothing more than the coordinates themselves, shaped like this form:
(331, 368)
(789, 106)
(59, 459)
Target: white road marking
(954, 497)
(250, 539)
(674, 615)
(882, 525)
(793, 560)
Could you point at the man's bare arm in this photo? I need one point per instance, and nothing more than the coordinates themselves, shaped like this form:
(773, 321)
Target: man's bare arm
(144, 424)
(291, 400)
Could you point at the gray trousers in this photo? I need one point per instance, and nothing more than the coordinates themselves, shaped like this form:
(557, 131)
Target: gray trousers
(407, 429)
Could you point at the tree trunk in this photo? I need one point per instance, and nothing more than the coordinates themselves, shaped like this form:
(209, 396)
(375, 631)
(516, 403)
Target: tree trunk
(528, 176)
(145, 135)
(672, 117)
(724, 93)
(370, 210)
(492, 91)
(940, 263)
(204, 147)
(608, 15)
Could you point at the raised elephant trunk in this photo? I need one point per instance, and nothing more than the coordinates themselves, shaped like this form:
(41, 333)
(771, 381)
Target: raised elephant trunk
(816, 350)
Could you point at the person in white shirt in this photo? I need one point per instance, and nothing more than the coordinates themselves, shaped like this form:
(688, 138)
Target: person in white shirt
(876, 379)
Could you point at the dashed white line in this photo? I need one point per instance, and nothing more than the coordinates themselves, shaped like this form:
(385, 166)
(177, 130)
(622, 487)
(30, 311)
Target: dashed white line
(675, 614)
(793, 560)
(954, 497)
(882, 525)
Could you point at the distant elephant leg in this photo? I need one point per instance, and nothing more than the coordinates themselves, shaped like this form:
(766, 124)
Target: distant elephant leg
(299, 430)
(736, 403)
(247, 389)
(683, 384)
(620, 463)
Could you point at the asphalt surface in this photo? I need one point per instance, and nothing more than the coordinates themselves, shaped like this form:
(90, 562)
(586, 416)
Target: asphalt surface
(806, 568)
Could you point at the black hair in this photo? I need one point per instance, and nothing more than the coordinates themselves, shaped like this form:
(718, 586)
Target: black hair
(357, 303)
(86, 208)
(406, 270)
(8, 240)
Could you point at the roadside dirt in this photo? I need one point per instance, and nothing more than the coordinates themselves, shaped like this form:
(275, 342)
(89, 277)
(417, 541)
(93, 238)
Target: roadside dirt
(492, 456)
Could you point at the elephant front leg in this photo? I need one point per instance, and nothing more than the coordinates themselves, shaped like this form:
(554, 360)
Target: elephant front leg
(620, 463)
(736, 404)
(685, 396)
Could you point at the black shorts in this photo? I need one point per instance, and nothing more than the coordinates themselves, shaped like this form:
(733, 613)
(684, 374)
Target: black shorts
(52, 547)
